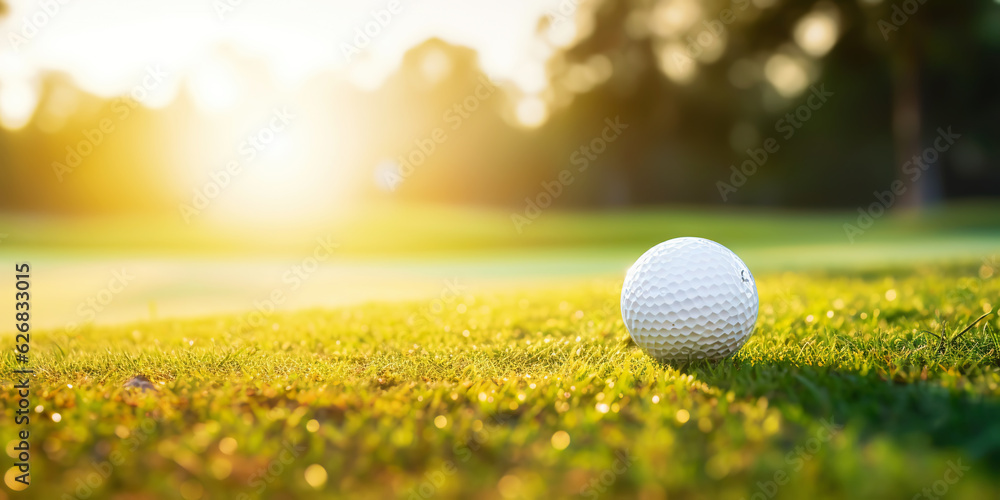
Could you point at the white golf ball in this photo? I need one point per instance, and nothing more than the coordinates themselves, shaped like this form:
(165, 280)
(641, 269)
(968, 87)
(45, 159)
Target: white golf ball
(689, 298)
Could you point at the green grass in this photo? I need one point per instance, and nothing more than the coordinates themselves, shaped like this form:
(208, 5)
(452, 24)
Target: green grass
(406, 230)
(469, 398)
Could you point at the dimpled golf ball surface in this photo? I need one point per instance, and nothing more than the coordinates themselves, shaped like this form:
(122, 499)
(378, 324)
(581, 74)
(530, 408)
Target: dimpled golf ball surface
(689, 298)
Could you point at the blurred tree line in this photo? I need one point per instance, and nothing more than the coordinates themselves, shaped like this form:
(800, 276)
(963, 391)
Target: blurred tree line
(899, 73)
(697, 107)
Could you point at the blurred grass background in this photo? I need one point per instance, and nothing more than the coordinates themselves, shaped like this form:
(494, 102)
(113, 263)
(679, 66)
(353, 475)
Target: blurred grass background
(186, 271)
(394, 230)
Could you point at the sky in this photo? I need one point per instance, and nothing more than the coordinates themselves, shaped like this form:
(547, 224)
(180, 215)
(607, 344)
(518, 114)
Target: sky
(317, 160)
(105, 46)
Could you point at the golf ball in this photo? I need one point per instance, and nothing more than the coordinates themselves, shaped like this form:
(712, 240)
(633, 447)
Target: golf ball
(689, 298)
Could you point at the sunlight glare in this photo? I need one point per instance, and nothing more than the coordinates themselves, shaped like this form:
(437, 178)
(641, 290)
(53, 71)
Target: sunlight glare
(816, 33)
(786, 74)
(532, 112)
(671, 17)
(18, 99)
(676, 64)
(215, 87)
